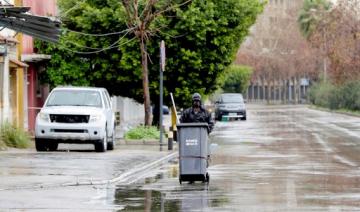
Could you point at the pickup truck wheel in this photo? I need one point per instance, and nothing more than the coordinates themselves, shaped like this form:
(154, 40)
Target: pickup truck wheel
(52, 146)
(101, 145)
(40, 145)
(111, 143)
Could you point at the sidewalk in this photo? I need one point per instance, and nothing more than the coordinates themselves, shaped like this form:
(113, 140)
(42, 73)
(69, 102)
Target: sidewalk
(74, 180)
(77, 165)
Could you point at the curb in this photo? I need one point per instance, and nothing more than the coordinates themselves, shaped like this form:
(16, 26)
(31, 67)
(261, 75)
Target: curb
(141, 142)
(125, 177)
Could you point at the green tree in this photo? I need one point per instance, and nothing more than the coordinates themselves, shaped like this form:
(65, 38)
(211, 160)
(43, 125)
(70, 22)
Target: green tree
(201, 38)
(236, 79)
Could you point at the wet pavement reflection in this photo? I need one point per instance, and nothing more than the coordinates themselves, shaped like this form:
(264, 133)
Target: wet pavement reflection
(164, 193)
(280, 159)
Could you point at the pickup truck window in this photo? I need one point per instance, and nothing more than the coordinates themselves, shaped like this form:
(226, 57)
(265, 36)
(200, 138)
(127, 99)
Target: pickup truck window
(75, 98)
(106, 100)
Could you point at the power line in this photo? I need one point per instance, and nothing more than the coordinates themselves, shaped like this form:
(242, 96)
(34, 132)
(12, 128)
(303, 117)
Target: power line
(71, 8)
(85, 47)
(94, 48)
(101, 50)
(100, 35)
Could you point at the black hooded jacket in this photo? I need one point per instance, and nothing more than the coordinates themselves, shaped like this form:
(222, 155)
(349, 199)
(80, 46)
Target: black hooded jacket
(189, 116)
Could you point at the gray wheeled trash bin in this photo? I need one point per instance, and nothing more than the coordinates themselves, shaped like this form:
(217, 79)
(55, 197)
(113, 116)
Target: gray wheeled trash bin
(193, 151)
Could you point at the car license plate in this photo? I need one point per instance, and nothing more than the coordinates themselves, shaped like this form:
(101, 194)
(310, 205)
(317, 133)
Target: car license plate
(232, 114)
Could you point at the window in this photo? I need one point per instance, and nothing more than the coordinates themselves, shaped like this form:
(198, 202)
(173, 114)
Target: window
(75, 98)
(108, 97)
(106, 100)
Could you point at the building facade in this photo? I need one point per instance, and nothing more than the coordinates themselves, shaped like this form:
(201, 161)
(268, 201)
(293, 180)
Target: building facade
(21, 92)
(13, 102)
(36, 91)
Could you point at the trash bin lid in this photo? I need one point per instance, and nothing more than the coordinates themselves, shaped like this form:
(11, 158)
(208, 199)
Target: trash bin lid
(194, 124)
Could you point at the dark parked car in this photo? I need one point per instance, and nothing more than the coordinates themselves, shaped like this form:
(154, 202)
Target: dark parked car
(166, 110)
(230, 105)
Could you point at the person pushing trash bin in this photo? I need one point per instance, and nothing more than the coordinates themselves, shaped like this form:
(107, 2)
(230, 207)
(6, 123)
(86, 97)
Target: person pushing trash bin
(197, 113)
(194, 155)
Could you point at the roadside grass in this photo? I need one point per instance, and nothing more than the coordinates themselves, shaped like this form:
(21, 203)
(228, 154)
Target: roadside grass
(142, 133)
(353, 112)
(345, 97)
(342, 111)
(2, 144)
(11, 136)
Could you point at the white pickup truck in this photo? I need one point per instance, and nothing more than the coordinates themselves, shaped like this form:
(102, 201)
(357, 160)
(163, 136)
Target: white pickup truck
(76, 115)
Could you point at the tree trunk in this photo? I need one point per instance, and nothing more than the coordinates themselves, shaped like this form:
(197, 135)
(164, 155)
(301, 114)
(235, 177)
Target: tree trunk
(145, 78)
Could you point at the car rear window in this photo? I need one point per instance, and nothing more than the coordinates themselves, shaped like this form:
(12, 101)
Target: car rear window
(232, 98)
(75, 98)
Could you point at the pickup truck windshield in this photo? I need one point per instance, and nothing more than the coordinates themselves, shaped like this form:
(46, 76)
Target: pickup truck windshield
(75, 98)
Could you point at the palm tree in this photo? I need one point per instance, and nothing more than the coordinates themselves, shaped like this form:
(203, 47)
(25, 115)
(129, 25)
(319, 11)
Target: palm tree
(311, 15)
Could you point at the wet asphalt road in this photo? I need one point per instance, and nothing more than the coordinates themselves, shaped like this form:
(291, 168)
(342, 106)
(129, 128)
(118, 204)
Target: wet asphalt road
(71, 179)
(281, 159)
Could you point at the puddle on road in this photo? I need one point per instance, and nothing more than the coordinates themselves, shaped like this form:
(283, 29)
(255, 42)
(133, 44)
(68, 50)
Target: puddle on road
(144, 200)
(163, 192)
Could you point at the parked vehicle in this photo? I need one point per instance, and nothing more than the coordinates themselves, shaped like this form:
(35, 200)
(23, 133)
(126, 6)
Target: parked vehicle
(76, 115)
(166, 110)
(230, 105)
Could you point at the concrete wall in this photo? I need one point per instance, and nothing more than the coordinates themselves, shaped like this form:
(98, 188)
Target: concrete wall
(131, 112)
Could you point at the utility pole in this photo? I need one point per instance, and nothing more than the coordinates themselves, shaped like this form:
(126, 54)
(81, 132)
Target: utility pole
(162, 69)
(19, 79)
(325, 57)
